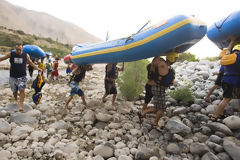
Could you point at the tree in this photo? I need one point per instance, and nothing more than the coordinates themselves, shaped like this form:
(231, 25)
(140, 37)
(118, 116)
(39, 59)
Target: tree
(131, 82)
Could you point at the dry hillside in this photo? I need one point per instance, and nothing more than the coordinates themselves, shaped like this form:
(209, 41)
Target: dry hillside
(42, 24)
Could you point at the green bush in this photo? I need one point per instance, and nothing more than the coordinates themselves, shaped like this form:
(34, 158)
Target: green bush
(183, 93)
(187, 56)
(8, 40)
(20, 32)
(212, 59)
(131, 82)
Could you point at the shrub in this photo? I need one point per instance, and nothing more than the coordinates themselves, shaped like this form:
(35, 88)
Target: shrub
(187, 56)
(212, 59)
(131, 81)
(183, 93)
(20, 32)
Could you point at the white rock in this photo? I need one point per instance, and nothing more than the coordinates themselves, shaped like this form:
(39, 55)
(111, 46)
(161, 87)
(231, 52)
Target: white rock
(59, 125)
(20, 130)
(103, 150)
(103, 117)
(5, 155)
(232, 122)
(35, 135)
(5, 127)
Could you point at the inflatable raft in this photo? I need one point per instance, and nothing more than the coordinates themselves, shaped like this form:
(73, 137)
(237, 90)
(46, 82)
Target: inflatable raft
(34, 51)
(220, 32)
(176, 34)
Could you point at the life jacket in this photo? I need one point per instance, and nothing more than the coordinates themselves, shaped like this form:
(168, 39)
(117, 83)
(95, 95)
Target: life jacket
(38, 83)
(49, 66)
(113, 73)
(37, 97)
(41, 66)
(166, 80)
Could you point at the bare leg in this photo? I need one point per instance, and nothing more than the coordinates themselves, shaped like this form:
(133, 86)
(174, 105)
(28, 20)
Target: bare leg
(148, 110)
(103, 98)
(207, 98)
(144, 106)
(84, 101)
(158, 116)
(221, 107)
(68, 100)
(15, 94)
(113, 99)
(22, 96)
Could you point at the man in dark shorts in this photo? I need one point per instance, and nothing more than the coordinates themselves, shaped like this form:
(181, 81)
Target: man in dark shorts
(218, 81)
(111, 75)
(150, 82)
(162, 68)
(18, 80)
(78, 75)
(230, 80)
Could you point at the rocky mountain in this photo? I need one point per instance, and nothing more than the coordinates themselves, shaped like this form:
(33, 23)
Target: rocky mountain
(42, 24)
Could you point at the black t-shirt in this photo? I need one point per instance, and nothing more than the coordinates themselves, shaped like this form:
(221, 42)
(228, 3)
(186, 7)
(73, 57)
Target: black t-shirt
(18, 64)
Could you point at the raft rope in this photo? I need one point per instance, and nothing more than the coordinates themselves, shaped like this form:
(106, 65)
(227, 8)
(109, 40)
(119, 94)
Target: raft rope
(219, 27)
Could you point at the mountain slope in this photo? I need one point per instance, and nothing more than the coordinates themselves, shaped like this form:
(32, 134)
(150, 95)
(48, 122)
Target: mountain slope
(42, 24)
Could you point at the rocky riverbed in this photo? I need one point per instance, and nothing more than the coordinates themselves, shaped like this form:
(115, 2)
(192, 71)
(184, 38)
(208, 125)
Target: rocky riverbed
(50, 131)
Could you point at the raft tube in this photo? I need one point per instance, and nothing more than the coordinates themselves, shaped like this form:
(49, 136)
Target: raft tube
(220, 32)
(173, 35)
(67, 59)
(34, 51)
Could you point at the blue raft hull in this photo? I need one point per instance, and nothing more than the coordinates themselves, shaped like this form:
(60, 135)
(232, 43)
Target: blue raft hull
(220, 32)
(34, 51)
(176, 34)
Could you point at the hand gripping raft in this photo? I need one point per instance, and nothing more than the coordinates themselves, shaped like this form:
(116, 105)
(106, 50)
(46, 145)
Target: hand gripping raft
(176, 34)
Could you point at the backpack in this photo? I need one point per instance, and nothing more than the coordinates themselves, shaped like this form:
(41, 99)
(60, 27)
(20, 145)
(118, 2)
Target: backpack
(113, 73)
(38, 83)
(49, 66)
(37, 97)
(166, 80)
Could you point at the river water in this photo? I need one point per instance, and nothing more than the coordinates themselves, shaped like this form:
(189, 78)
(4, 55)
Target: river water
(4, 77)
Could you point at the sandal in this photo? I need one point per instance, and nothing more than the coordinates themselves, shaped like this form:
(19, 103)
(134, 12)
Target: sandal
(20, 109)
(140, 117)
(222, 116)
(215, 119)
(157, 127)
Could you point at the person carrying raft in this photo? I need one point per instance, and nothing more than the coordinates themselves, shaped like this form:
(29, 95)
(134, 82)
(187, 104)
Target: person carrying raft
(18, 80)
(78, 74)
(111, 74)
(230, 80)
(163, 76)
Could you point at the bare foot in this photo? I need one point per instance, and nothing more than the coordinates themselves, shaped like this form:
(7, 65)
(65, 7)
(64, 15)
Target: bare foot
(207, 99)
(20, 109)
(15, 103)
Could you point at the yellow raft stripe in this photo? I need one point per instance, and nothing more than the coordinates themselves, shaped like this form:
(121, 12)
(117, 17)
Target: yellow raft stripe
(141, 42)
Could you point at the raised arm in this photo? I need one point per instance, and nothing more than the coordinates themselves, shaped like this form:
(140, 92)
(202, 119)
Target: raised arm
(32, 64)
(76, 70)
(122, 69)
(5, 57)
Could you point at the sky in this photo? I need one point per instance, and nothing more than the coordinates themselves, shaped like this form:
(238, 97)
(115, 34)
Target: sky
(125, 17)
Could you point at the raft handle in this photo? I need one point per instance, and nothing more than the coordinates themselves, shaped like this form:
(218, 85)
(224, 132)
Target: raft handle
(129, 38)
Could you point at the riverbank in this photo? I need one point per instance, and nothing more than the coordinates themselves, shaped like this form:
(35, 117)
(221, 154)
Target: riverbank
(50, 131)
